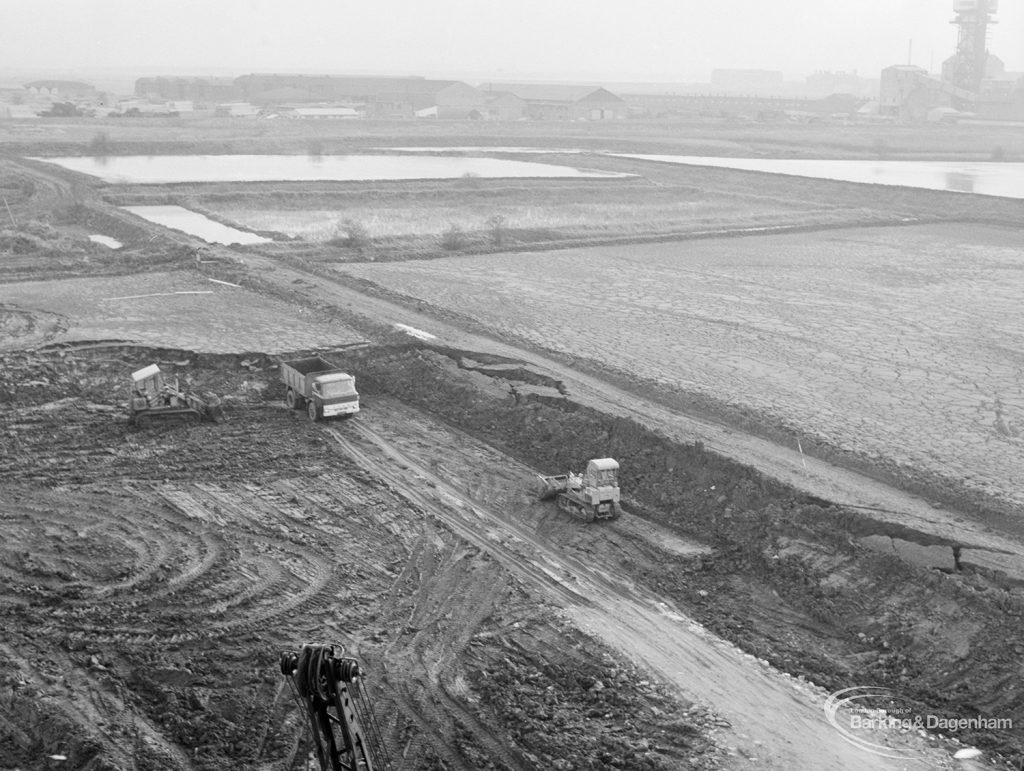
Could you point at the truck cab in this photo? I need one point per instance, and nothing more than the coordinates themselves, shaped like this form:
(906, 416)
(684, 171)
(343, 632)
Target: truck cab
(337, 394)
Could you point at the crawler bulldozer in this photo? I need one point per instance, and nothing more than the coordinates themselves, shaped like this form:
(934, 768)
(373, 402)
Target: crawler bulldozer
(154, 399)
(594, 494)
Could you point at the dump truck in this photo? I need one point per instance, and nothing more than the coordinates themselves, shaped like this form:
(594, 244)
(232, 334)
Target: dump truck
(319, 387)
(153, 398)
(594, 494)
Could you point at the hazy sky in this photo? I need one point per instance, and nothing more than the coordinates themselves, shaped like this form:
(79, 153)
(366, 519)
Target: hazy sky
(600, 39)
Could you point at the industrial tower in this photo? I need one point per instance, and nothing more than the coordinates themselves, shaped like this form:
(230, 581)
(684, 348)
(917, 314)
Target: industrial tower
(972, 18)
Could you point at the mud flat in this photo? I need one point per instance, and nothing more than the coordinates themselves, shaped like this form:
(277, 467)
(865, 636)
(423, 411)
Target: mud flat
(895, 345)
(160, 309)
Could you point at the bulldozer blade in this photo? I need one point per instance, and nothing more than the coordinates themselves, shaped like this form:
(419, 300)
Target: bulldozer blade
(549, 487)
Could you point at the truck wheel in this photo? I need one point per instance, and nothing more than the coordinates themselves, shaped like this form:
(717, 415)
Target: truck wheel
(313, 411)
(292, 399)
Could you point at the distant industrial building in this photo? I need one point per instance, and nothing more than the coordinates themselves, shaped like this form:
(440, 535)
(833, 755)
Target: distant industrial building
(973, 83)
(196, 90)
(904, 92)
(966, 68)
(504, 105)
(542, 101)
(377, 97)
(387, 97)
(911, 94)
(731, 105)
(66, 90)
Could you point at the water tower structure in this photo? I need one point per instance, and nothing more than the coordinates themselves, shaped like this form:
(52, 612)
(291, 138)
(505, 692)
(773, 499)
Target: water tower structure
(973, 18)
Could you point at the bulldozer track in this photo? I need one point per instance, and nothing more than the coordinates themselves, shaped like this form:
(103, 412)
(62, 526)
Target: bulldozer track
(456, 511)
(194, 551)
(444, 579)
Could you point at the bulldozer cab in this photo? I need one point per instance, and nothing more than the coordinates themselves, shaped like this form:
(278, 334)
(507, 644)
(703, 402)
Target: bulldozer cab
(148, 384)
(601, 472)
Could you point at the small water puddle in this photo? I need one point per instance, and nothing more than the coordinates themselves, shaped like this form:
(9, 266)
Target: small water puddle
(195, 224)
(415, 332)
(484, 149)
(113, 243)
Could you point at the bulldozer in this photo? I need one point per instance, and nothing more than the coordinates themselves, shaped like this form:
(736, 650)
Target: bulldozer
(594, 494)
(154, 399)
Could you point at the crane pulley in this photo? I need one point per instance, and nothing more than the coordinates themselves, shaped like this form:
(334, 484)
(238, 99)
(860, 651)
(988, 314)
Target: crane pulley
(345, 730)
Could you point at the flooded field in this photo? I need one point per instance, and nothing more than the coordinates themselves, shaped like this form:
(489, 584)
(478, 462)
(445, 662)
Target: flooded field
(1000, 179)
(898, 343)
(484, 149)
(163, 169)
(196, 224)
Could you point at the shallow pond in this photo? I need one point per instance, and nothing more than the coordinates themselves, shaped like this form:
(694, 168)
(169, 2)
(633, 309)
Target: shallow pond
(193, 223)
(162, 169)
(113, 243)
(1000, 179)
(484, 149)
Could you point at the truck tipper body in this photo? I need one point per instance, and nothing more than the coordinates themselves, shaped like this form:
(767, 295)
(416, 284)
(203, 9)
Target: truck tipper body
(319, 387)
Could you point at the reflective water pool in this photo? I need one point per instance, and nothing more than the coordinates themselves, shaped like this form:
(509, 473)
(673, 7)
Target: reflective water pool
(1000, 179)
(154, 169)
(113, 243)
(193, 223)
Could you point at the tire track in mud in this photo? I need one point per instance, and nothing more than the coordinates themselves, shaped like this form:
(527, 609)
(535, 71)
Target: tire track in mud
(776, 723)
(438, 602)
(468, 520)
(173, 563)
(207, 565)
